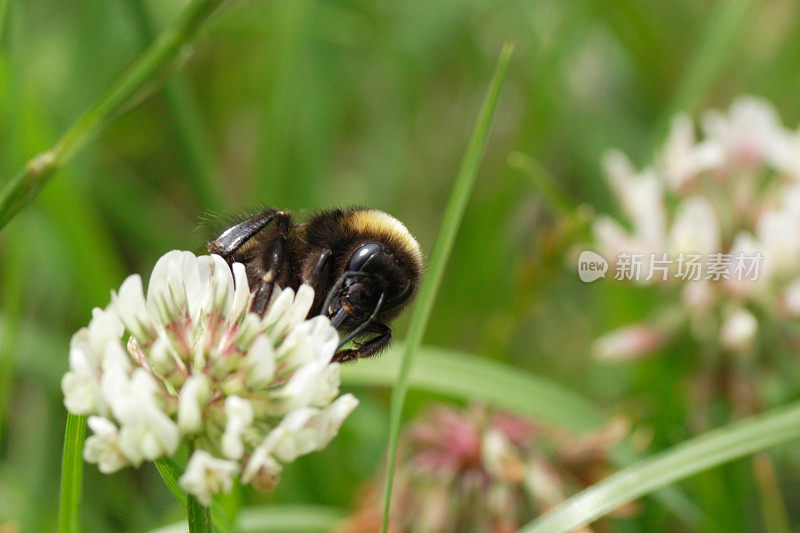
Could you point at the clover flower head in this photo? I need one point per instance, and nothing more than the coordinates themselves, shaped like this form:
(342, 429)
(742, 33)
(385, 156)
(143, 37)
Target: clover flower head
(725, 192)
(730, 192)
(479, 470)
(188, 363)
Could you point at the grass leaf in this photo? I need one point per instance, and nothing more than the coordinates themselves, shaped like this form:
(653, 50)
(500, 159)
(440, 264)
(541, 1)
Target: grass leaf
(439, 254)
(26, 184)
(681, 461)
(72, 475)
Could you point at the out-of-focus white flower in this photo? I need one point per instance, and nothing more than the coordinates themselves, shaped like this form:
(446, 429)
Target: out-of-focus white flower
(696, 227)
(627, 343)
(189, 362)
(642, 199)
(738, 330)
(207, 475)
(734, 194)
(749, 132)
(730, 196)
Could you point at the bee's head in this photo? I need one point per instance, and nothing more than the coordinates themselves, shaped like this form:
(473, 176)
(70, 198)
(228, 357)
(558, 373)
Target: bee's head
(373, 282)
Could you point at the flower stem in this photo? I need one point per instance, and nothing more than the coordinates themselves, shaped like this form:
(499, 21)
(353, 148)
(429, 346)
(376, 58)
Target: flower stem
(26, 184)
(199, 516)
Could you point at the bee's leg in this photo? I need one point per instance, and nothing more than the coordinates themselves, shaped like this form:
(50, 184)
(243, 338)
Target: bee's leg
(274, 262)
(369, 348)
(315, 273)
(236, 236)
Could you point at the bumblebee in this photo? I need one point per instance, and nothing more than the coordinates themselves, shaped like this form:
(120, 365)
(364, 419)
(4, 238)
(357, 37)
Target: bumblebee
(363, 264)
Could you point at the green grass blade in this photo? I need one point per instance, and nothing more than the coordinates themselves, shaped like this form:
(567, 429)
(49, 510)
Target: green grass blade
(693, 456)
(170, 472)
(26, 184)
(199, 516)
(439, 254)
(72, 475)
(472, 378)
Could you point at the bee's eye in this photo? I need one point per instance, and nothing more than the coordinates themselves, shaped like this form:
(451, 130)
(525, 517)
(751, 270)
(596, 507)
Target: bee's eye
(363, 254)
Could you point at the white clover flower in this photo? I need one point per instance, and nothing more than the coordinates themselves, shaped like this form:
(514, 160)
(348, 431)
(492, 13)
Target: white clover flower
(188, 362)
(730, 199)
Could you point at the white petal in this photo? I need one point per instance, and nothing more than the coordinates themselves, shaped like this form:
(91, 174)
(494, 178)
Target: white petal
(315, 384)
(131, 307)
(191, 401)
(262, 470)
(310, 341)
(696, 227)
(80, 393)
(240, 415)
(276, 311)
(105, 326)
(260, 362)
(328, 422)
(222, 288)
(207, 475)
(241, 293)
(102, 447)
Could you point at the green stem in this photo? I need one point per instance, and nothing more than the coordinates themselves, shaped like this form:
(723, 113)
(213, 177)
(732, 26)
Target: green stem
(72, 475)
(442, 246)
(26, 184)
(199, 516)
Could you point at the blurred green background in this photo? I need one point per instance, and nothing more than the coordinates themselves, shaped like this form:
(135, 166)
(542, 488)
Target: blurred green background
(309, 104)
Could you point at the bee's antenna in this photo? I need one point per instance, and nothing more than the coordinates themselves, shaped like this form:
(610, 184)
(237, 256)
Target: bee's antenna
(363, 325)
(331, 292)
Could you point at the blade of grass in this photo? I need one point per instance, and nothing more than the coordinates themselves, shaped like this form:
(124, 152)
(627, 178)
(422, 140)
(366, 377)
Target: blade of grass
(72, 475)
(469, 377)
(696, 455)
(170, 472)
(25, 185)
(199, 516)
(441, 250)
